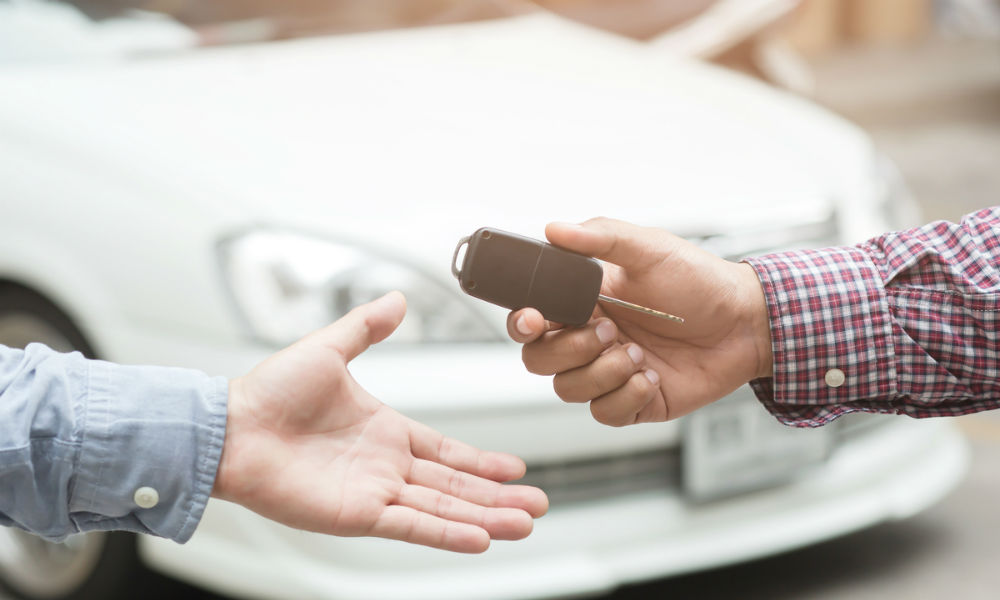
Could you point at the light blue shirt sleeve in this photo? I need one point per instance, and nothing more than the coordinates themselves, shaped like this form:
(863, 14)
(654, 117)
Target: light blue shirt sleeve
(79, 438)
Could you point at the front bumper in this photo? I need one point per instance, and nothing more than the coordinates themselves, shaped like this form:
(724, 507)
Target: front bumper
(890, 472)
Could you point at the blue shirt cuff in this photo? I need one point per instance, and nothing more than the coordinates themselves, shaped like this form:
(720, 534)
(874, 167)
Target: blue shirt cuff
(147, 427)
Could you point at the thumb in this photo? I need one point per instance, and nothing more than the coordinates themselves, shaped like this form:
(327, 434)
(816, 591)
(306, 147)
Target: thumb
(618, 242)
(365, 325)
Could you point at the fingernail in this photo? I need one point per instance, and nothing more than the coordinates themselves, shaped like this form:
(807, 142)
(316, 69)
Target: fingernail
(569, 225)
(522, 326)
(652, 376)
(605, 331)
(635, 353)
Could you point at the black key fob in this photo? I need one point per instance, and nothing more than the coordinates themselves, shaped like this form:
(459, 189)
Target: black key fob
(516, 272)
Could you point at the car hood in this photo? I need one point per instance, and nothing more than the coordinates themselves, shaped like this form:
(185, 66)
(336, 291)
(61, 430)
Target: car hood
(409, 139)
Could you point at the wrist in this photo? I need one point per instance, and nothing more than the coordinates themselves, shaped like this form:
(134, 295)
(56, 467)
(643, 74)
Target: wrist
(756, 320)
(223, 475)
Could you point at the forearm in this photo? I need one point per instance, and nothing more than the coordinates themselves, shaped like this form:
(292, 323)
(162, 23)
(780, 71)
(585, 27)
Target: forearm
(80, 438)
(908, 319)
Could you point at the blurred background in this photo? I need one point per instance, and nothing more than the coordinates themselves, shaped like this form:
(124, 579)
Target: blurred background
(921, 77)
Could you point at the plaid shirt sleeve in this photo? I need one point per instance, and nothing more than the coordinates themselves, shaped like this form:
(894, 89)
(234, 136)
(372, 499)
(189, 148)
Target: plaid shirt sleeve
(904, 323)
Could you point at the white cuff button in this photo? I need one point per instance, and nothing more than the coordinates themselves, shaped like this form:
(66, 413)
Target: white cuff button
(146, 497)
(835, 378)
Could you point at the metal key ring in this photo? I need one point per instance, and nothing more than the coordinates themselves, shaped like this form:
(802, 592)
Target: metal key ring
(454, 259)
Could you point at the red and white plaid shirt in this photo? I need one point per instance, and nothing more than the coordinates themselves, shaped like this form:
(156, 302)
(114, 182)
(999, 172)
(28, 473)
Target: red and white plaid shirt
(904, 323)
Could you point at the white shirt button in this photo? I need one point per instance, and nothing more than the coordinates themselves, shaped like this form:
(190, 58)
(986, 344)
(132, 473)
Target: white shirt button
(835, 378)
(146, 497)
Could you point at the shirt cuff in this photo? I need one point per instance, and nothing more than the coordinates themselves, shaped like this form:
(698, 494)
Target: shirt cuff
(831, 335)
(151, 442)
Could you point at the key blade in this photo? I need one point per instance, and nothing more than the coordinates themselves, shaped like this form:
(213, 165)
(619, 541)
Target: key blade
(642, 309)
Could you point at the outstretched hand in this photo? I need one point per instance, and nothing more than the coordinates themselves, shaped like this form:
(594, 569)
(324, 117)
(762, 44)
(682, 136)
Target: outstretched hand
(635, 368)
(307, 446)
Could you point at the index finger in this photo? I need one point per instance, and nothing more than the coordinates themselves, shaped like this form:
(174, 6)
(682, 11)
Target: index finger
(431, 445)
(610, 240)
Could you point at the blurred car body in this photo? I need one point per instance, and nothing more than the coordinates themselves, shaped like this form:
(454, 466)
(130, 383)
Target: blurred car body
(201, 207)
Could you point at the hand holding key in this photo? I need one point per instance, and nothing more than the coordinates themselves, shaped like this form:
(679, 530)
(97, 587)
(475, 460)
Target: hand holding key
(636, 368)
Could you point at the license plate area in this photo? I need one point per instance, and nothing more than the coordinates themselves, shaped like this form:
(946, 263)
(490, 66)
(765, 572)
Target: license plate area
(734, 446)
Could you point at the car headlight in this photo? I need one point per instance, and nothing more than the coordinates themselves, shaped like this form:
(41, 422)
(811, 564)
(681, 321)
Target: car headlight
(288, 284)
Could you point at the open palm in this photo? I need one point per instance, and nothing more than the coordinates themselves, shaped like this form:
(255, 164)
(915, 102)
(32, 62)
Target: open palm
(307, 446)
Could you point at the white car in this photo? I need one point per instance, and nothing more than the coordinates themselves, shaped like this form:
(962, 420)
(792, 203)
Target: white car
(202, 207)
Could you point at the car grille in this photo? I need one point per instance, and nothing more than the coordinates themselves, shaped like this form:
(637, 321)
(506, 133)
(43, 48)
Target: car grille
(601, 478)
(571, 482)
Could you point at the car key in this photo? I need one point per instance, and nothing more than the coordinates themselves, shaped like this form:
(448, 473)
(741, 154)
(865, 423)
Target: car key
(515, 272)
